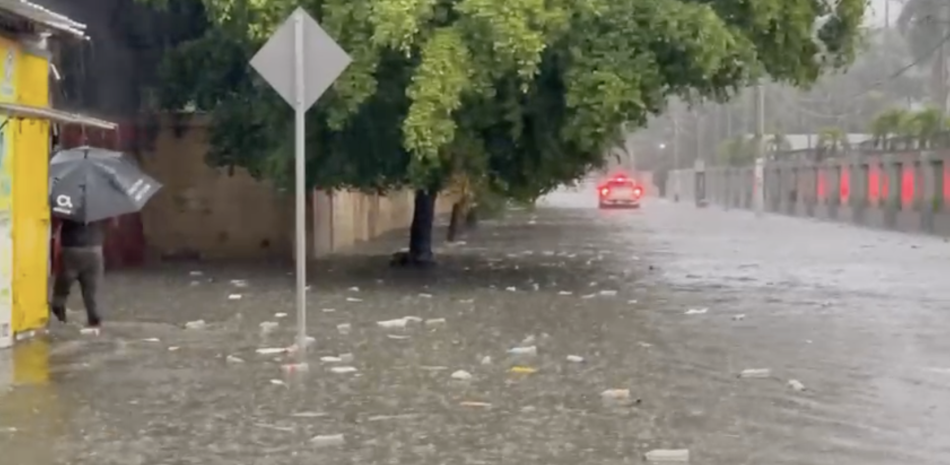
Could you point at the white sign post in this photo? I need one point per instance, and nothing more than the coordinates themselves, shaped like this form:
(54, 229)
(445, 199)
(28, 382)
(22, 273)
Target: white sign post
(300, 61)
(758, 189)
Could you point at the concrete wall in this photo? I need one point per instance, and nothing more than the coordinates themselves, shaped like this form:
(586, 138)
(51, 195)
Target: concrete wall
(209, 213)
(907, 191)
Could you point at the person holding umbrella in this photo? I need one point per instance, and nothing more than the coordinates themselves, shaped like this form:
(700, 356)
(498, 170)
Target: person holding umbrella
(87, 187)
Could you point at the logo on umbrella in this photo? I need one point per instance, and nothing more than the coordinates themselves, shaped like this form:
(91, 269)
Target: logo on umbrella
(64, 204)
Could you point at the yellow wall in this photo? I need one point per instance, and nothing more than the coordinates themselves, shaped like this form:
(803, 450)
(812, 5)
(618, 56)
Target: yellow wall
(31, 217)
(9, 55)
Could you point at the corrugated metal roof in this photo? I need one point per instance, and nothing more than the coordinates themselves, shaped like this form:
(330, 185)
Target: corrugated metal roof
(14, 110)
(42, 15)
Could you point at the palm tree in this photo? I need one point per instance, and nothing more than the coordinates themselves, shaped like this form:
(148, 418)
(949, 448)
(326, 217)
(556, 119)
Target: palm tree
(925, 27)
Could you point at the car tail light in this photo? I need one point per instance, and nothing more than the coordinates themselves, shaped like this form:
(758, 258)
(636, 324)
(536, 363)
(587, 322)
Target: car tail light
(637, 192)
(604, 191)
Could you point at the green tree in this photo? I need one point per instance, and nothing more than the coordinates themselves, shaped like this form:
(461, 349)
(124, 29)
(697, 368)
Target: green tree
(519, 95)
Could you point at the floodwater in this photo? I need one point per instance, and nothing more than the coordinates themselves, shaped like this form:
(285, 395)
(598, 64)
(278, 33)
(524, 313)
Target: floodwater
(666, 306)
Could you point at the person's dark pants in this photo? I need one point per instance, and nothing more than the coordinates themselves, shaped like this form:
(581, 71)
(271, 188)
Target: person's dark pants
(83, 264)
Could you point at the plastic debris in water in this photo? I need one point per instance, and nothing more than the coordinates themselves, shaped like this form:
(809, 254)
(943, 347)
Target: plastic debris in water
(151, 339)
(608, 293)
(511, 289)
(755, 373)
(475, 404)
(667, 455)
(353, 299)
(173, 348)
(435, 322)
(308, 414)
(398, 337)
(277, 382)
(271, 350)
(462, 375)
(354, 289)
(616, 394)
(522, 370)
(331, 359)
(697, 311)
(392, 324)
(197, 324)
(295, 367)
(280, 315)
(328, 440)
(796, 385)
(89, 331)
(343, 370)
(575, 358)
(565, 293)
(233, 359)
(530, 350)
(269, 326)
(235, 297)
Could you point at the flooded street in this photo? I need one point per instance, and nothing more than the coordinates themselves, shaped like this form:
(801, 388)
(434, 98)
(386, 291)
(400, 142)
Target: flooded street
(642, 324)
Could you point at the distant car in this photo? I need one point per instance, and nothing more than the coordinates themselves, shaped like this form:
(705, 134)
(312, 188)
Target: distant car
(620, 191)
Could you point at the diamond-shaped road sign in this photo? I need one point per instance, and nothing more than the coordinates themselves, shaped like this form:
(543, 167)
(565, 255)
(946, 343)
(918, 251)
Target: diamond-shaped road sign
(323, 60)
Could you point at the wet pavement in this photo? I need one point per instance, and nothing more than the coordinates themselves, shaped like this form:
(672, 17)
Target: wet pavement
(665, 306)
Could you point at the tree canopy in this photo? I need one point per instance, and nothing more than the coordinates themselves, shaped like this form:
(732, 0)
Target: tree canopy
(523, 94)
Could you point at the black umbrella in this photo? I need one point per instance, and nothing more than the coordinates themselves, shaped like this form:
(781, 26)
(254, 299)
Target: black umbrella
(90, 184)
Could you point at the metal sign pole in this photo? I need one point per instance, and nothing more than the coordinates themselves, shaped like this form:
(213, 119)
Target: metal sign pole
(300, 110)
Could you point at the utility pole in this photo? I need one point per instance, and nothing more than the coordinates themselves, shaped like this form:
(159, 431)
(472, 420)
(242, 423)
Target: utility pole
(758, 191)
(944, 72)
(676, 158)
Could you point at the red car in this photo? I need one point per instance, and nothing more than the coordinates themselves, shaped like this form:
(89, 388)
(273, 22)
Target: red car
(619, 191)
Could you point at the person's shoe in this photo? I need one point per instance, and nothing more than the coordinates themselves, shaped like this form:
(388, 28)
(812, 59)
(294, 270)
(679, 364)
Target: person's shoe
(59, 313)
(94, 322)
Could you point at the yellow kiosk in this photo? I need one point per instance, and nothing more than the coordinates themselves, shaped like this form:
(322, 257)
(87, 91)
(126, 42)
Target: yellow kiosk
(26, 30)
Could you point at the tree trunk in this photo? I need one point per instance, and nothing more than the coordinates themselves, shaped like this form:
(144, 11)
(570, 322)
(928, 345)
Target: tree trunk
(471, 217)
(420, 233)
(455, 222)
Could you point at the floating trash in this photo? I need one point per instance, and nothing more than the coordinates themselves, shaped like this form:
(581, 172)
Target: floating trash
(235, 297)
(796, 385)
(353, 299)
(398, 337)
(530, 350)
(277, 382)
(511, 289)
(462, 375)
(697, 311)
(233, 359)
(343, 370)
(522, 370)
(667, 455)
(197, 324)
(151, 339)
(330, 359)
(393, 324)
(271, 350)
(565, 293)
(328, 440)
(268, 326)
(475, 404)
(280, 315)
(354, 289)
(755, 373)
(89, 331)
(435, 322)
(616, 394)
(575, 358)
(608, 293)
